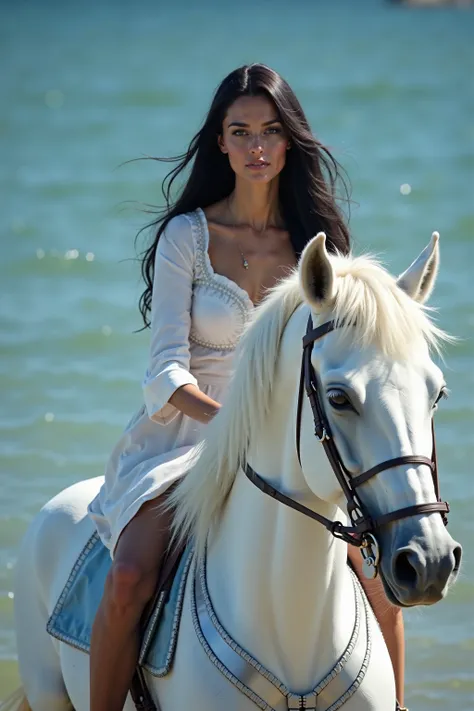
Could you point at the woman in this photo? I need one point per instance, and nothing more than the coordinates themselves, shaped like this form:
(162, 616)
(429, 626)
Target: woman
(260, 187)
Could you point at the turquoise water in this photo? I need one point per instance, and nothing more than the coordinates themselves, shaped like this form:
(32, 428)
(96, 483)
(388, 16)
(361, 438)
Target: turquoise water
(87, 87)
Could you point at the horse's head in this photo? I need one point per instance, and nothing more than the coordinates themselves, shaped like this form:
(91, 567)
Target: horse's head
(379, 389)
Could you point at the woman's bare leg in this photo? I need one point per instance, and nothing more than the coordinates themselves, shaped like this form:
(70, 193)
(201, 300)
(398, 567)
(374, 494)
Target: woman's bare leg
(129, 586)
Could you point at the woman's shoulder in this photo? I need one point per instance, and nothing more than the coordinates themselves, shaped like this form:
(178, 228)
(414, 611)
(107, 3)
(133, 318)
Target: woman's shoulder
(182, 224)
(183, 230)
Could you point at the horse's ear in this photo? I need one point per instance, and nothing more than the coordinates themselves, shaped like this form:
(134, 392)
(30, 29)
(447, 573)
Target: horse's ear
(317, 274)
(419, 279)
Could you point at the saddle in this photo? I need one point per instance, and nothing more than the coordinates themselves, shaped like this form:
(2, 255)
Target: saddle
(72, 618)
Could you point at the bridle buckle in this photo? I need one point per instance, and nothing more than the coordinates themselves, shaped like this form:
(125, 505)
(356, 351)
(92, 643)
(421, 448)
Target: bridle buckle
(323, 437)
(370, 552)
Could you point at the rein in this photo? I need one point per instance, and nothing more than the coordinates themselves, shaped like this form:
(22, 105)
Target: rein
(361, 532)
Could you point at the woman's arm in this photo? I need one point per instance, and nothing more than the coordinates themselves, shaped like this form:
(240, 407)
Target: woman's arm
(169, 368)
(194, 403)
(390, 619)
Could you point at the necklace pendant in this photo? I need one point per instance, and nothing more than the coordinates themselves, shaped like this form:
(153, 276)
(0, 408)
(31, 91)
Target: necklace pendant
(245, 264)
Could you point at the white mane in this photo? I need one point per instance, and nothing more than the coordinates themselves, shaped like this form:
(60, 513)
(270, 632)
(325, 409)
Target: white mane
(368, 302)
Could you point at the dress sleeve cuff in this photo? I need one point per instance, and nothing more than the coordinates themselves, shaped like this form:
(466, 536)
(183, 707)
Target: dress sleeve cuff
(158, 390)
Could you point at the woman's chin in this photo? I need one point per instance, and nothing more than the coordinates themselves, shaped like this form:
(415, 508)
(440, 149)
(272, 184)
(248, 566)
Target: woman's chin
(259, 175)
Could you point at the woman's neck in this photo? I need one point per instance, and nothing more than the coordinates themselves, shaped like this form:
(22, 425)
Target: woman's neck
(256, 206)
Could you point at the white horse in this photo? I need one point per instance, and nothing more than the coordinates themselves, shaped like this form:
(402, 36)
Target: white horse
(274, 581)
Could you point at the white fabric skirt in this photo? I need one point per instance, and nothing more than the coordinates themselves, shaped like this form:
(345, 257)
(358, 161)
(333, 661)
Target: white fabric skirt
(147, 460)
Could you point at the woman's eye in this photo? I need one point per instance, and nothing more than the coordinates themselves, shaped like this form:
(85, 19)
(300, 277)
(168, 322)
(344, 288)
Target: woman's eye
(271, 130)
(339, 400)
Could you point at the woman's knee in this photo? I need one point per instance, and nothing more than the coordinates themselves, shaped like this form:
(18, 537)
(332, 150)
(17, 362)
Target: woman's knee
(133, 576)
(129, 586)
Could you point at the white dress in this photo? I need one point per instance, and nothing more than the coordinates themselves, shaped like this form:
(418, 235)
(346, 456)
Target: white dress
(197, 319)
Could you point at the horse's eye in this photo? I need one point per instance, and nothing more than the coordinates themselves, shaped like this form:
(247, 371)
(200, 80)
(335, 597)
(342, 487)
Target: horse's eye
(443, 394)
(339, 400)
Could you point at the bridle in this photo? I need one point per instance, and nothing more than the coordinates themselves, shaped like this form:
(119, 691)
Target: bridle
(361, 532)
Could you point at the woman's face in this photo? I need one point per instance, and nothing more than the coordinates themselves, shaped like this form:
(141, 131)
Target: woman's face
(254, 139)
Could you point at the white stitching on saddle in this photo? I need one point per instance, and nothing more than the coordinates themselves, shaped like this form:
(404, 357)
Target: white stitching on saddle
(63, 637)
(164, 670)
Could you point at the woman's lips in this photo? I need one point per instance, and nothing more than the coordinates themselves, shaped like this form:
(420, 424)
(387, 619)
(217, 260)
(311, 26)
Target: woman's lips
(260, 165)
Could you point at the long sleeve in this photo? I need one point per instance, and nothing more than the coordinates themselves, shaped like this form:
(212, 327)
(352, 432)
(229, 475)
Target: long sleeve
(169, 361)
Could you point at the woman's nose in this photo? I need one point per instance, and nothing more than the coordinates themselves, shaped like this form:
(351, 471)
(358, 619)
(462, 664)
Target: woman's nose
(256, 146)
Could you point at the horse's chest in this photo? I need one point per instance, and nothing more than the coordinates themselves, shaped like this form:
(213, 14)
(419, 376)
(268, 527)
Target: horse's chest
(231, 671)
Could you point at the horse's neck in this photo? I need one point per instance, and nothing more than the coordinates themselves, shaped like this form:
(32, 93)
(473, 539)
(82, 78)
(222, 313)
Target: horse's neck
(278, 582)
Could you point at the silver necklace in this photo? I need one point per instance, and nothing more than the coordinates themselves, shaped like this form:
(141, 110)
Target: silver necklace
(245, 263)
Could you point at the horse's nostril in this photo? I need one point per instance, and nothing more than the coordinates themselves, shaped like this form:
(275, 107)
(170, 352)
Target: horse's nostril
(404, 571)
(457, 553)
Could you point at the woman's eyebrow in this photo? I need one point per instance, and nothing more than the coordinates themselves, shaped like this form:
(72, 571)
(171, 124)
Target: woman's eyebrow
(241, 124)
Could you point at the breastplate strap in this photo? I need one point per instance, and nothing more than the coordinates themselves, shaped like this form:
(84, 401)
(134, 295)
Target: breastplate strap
(260, 685)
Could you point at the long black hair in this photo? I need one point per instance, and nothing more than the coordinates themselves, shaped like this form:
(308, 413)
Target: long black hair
(308, 182)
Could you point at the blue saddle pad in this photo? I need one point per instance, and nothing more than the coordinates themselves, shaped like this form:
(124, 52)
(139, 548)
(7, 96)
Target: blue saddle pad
(74, 613)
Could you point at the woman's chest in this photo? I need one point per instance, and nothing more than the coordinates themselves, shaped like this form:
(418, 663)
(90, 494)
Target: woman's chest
(219, 312)
(255, 269)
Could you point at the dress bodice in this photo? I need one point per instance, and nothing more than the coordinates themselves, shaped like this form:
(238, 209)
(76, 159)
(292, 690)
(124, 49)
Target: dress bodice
(220, 307)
